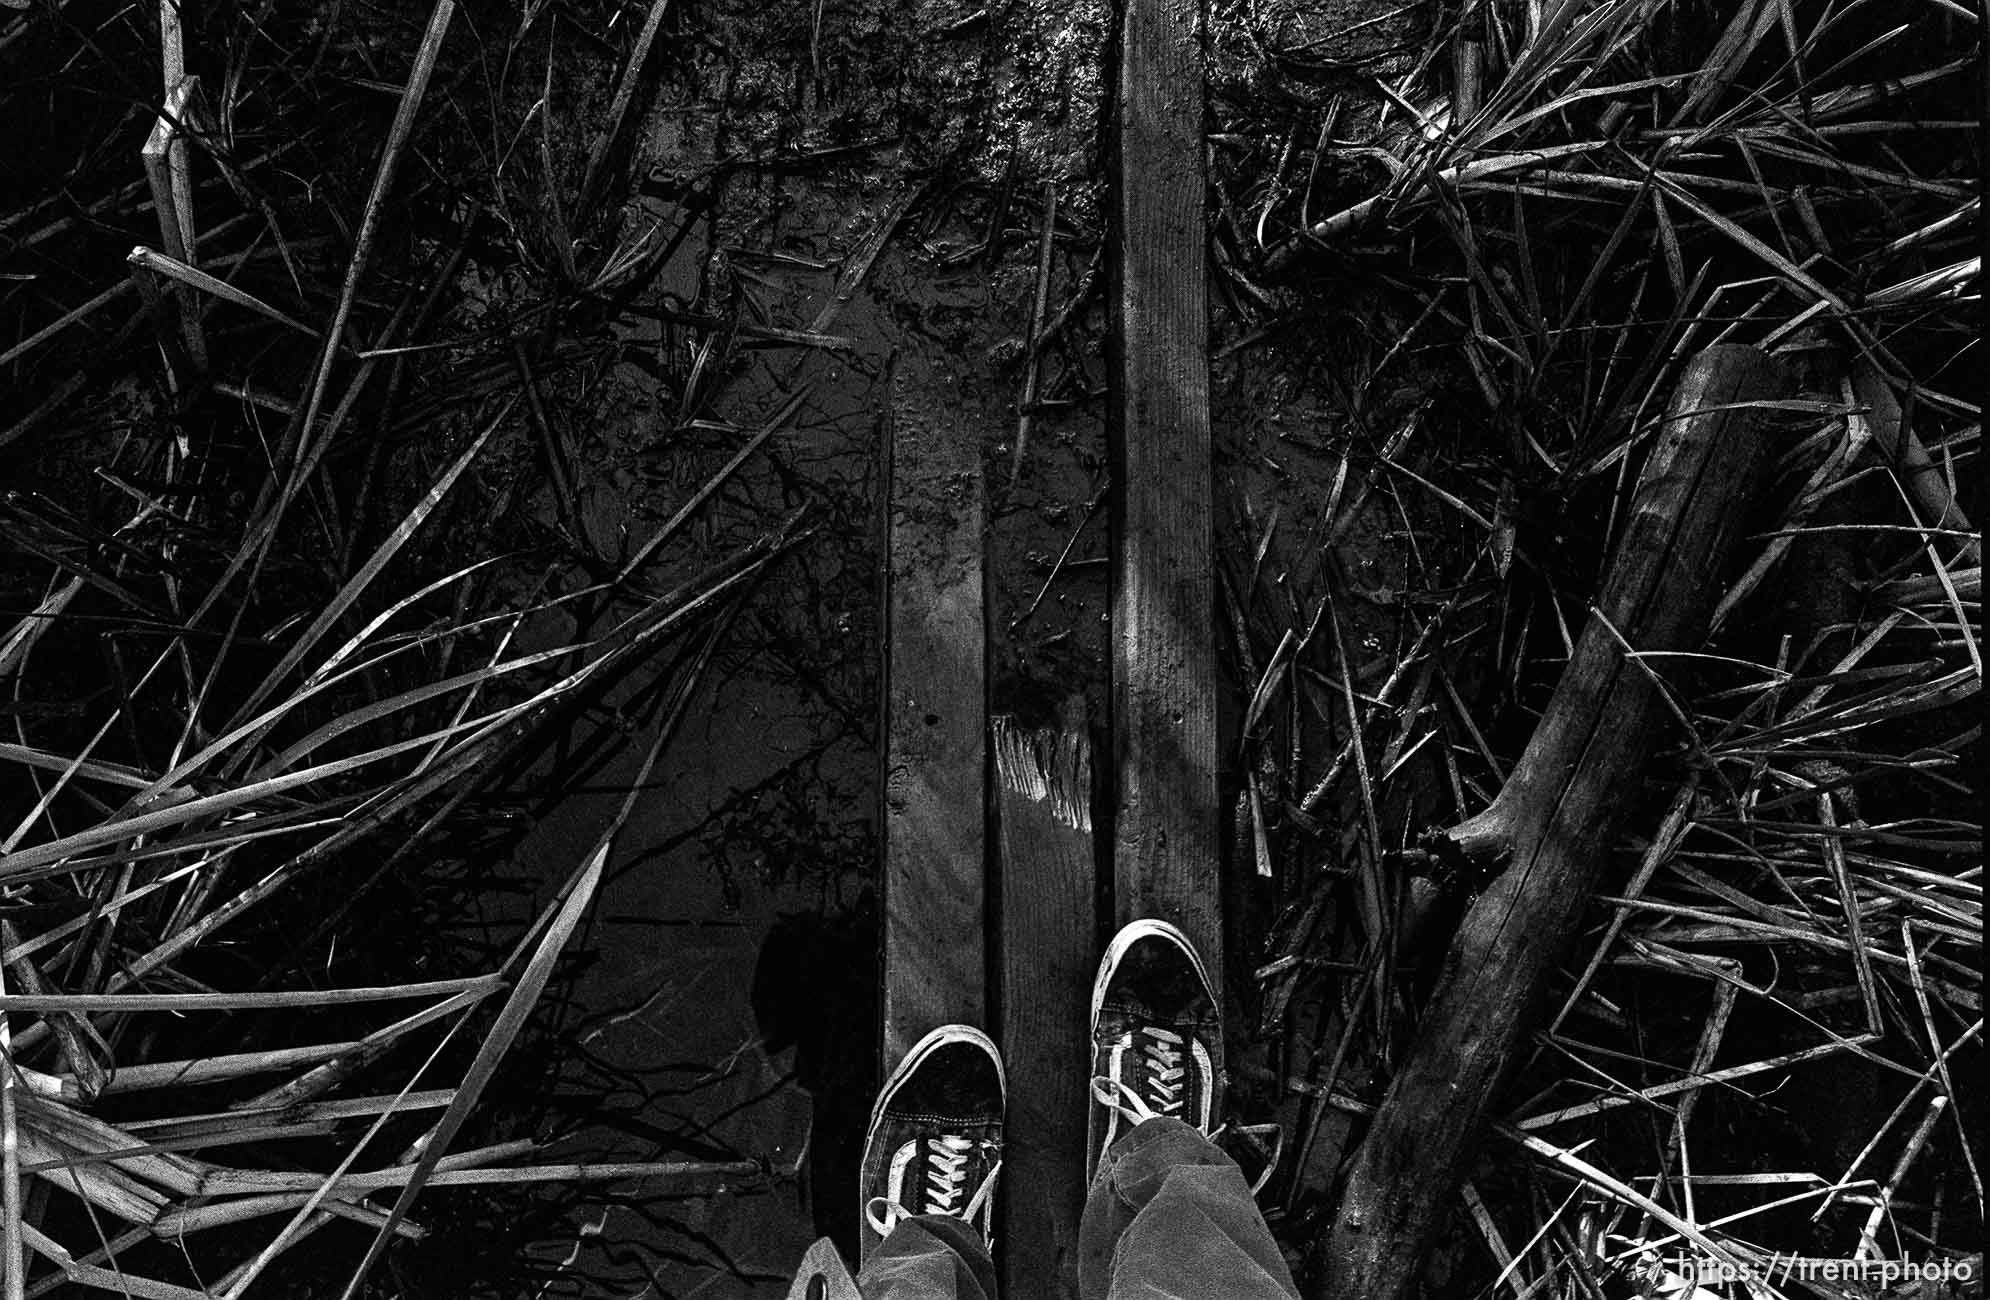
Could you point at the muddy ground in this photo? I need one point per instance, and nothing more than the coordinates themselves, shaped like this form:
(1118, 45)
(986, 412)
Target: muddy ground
(782, 144)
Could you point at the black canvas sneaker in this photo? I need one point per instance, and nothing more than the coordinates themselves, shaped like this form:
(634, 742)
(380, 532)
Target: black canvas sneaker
(1157, 1037)
(935, 1140)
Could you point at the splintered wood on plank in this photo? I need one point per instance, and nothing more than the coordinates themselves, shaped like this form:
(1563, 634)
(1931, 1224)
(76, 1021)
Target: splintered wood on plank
(1166, 853)
(935, 717)
(1049, 945)
(1549, 831)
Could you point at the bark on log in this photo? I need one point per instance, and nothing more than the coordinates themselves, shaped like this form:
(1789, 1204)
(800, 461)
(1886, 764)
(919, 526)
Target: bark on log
(1549, 830)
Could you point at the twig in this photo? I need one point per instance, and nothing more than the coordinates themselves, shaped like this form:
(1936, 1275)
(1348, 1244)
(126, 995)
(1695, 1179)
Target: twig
(749, 330)
(1091, 508)
(1026, 407)
(549, 443)
(1397, 675)
(1088, 284)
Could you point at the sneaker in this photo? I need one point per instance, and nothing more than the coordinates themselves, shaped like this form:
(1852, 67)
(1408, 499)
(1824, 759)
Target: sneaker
(935, 1141)
(1157, 1037)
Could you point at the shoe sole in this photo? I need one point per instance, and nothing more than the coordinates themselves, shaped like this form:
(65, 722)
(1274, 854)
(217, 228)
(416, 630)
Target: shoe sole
(1132, 933)
(925, 1047)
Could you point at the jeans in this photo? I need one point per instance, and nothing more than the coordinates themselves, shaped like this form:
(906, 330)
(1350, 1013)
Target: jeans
(1169, 1217)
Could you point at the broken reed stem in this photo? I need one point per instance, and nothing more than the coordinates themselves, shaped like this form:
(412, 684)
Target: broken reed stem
(1869, 1247)
(1920, 476)
(117, 1282)
(294, 1189)
(1912, 953)
(165, 158)
(12, 1258)
(74, 1034)
(163, 311)
(172, 51)
(174, 266)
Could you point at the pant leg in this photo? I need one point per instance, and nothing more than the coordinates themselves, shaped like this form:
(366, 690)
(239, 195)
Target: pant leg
(823, 1275)
(1170, 1217)
(929, 1257)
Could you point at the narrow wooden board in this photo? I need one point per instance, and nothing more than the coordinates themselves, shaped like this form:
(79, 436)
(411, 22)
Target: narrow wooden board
(935, 718)
(1166, 851)
(1048, 889)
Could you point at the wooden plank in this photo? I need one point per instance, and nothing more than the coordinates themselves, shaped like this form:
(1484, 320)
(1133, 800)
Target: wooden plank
(935, 717)
(1048, 889)
(1548, 833)
(1166, 853)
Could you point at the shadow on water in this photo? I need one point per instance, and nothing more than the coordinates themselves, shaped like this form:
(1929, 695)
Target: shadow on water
(814, 990)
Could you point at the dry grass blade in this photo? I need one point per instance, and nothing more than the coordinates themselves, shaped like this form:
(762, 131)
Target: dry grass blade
(71, 317)
(559, 926)
(107, 773)
(595, 176)
(103, 1279)
(858, 264)
(369, 222)
(179, 1002)
(185, 809)
(691, 506)
(319, 1080)
(1625, 1194)
(337, 608)
(1456, 177)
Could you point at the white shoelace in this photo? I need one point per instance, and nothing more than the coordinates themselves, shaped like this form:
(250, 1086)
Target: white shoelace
(1117, 1096)
(1167, 1072)
(946, 1182)
(1167, 1067)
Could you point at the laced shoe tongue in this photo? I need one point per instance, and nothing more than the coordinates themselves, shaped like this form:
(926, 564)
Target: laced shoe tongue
(945, 1182)
(1164, 1071)
(934, 1182)
(1169, 1074)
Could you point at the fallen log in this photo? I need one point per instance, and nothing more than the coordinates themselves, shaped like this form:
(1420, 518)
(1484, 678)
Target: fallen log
(1548, 832)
